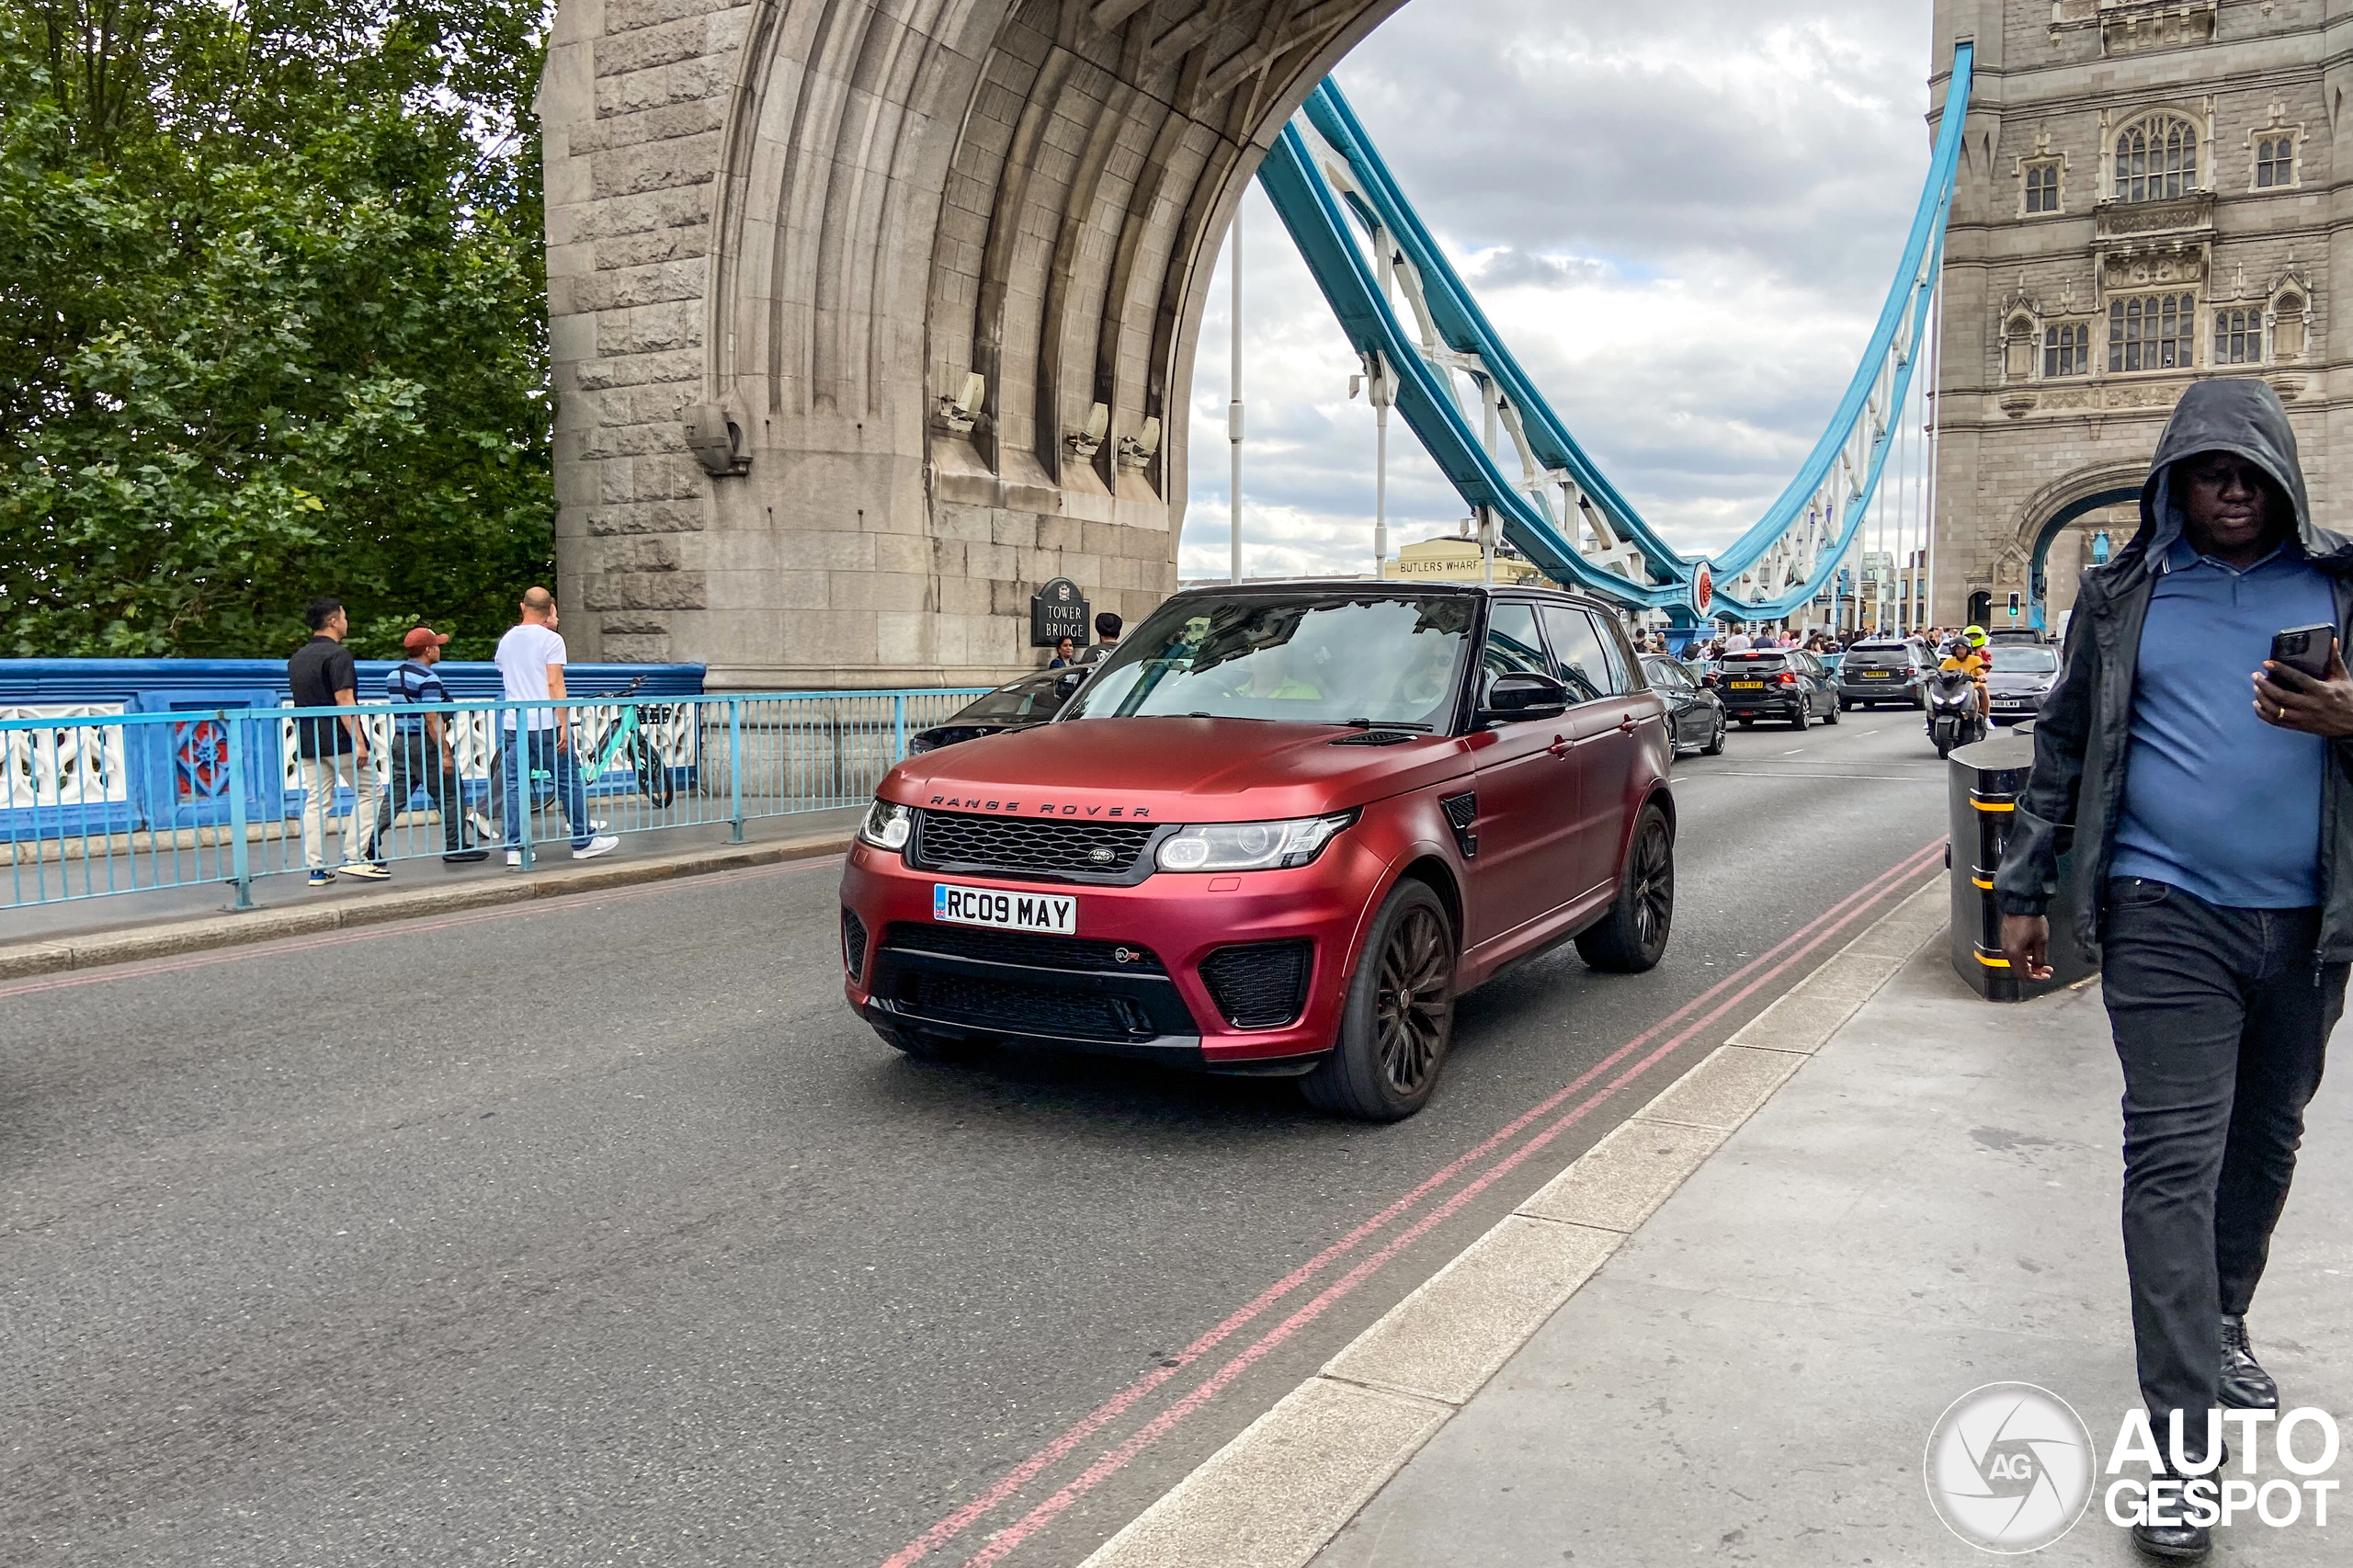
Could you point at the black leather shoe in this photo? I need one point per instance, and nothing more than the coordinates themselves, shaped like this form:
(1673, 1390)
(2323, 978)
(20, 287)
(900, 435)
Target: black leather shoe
(465, 856)
(2245, 1385)
(2180, 1542)
(2173, 1543)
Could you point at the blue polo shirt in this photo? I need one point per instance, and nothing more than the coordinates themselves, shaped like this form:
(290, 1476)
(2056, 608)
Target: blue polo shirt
(2216, 801)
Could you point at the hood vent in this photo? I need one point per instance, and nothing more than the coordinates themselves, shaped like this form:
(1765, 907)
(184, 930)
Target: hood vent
(1377, 738)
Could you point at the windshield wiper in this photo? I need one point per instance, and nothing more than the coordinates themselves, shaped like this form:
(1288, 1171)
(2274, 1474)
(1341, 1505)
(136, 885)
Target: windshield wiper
(1385, 724)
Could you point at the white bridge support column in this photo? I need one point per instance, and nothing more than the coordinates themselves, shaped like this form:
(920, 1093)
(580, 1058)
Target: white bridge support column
(938, 264)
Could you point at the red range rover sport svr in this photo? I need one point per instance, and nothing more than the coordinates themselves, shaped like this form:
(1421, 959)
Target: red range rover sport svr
(1277, 832)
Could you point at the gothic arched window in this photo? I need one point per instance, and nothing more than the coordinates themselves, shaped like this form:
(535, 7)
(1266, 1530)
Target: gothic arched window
(2156, 159)
(2275, 161)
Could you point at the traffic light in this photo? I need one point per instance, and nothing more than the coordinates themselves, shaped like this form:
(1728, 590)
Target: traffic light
(2014, 604)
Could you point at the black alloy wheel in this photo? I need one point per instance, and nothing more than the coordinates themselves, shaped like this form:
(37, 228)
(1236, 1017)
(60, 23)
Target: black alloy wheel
(1715, 747)
(1632, 937)
(1398, 1018)
(1805, 712)
(1830, 714)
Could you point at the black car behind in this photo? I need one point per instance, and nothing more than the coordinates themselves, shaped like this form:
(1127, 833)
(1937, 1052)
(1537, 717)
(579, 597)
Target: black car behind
(1776, 682)
(1882, 670)
(1694, 717)
(1016, 705)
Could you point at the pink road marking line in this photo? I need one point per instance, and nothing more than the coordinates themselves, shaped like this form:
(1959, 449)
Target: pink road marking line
(140, 969)
(1006, 1540)
(1013, 1481)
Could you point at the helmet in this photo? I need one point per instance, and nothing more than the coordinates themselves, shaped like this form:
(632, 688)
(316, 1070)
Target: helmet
(1973, 635)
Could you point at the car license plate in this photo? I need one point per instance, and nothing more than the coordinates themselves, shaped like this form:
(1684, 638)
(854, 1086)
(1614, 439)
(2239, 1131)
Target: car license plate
(1747, 685)
(2009, 705)
(1056, 913)
(1875, 675)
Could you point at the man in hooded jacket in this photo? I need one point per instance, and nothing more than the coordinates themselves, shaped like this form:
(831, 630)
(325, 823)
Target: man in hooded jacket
(2206, 796)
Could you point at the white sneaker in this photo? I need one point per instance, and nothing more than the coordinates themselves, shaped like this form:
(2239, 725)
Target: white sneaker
(603, 844)
(514, 859)
(484, 829)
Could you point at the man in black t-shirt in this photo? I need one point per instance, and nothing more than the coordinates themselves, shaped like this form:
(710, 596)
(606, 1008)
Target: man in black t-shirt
(321, 675)
(1108, 628)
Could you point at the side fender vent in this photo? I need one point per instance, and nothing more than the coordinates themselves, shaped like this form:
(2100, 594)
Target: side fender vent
(1461, 811)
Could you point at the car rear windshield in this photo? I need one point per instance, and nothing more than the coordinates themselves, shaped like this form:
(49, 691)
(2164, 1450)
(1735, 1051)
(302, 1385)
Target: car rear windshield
(1386, 658)
(1882, 655)
(1769, 660)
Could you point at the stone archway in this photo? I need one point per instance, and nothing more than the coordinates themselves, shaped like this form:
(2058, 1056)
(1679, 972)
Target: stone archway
(2050, 511)
(785, 237)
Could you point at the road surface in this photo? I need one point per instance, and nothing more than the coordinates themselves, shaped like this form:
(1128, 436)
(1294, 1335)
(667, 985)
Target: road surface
(598, 1232)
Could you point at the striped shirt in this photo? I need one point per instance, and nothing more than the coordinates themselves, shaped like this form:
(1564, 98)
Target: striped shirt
(412, 682)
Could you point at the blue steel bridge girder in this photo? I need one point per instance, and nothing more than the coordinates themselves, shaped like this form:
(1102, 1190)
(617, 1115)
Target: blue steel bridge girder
(1328, 182)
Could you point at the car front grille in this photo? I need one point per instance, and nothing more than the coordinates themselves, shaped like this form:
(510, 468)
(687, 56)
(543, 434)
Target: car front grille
(1057, 847)
(853, 943)
(1064, 953)
(1259, 985)
(1026, 1007)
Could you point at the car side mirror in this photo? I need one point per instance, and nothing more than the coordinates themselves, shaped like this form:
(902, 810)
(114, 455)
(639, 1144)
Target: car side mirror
(1523, 694)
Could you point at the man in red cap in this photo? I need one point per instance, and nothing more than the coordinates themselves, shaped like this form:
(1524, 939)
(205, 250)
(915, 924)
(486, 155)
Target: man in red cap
(422, 753)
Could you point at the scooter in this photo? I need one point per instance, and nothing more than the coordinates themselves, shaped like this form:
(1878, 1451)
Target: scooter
(1953, 716)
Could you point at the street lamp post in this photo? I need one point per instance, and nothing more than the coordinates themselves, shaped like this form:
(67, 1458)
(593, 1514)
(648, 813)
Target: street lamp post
(1233, 409)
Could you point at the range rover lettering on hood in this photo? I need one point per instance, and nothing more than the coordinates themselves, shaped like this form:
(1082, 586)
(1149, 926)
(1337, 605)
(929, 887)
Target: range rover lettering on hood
(1041, 808)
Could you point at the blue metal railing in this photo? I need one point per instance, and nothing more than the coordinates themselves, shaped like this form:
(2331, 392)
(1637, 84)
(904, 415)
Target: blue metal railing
(93, 804)
(1777, 566)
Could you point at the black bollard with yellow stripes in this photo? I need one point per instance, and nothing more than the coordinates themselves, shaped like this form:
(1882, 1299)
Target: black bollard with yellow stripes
(1985, 780)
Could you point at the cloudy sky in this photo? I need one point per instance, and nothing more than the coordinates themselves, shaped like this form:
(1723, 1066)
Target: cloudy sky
(1684, 218)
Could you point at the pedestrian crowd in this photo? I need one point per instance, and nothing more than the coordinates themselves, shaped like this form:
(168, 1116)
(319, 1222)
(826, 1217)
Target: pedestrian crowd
(530, 742)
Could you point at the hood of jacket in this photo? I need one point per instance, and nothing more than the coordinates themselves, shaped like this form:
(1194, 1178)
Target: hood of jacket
(2238, 414)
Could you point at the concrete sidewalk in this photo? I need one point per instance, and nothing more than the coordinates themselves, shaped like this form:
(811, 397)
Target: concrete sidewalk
(1929, 1205)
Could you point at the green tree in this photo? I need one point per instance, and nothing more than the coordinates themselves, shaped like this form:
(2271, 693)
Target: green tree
(272, 321)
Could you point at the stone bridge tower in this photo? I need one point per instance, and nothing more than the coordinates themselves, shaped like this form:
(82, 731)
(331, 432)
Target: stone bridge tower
(871, 316)
(2150, 193)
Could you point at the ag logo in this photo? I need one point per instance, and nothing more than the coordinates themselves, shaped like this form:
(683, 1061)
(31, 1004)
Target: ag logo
(2009, 1468)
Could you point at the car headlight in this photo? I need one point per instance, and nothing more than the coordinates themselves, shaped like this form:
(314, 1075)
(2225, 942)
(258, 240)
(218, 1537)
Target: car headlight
(1249, 846)
(887, 826)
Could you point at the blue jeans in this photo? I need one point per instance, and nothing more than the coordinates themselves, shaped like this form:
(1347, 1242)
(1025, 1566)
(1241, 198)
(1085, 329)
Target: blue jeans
(544, 757)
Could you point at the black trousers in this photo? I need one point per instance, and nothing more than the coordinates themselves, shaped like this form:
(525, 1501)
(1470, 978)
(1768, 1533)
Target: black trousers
(419, 763)
(2222, 1019)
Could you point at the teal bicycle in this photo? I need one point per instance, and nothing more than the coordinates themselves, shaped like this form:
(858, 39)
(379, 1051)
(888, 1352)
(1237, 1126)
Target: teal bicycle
(631, 743)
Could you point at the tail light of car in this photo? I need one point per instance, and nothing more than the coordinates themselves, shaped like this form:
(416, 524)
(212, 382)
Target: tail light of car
(1789, 679)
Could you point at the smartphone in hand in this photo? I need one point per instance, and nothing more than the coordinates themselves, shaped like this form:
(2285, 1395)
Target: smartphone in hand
(2304, 649)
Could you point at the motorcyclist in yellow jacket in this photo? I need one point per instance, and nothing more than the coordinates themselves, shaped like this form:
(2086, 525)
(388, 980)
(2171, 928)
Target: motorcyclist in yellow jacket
(1967, 653)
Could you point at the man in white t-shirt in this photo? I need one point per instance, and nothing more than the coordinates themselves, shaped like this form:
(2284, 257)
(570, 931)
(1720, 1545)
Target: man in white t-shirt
(530, 669)
(1738, 642)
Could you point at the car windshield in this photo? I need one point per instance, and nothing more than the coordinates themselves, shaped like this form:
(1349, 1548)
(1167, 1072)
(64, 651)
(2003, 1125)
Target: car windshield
(2024, 660)
(1032, 697)
(1381, 658)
